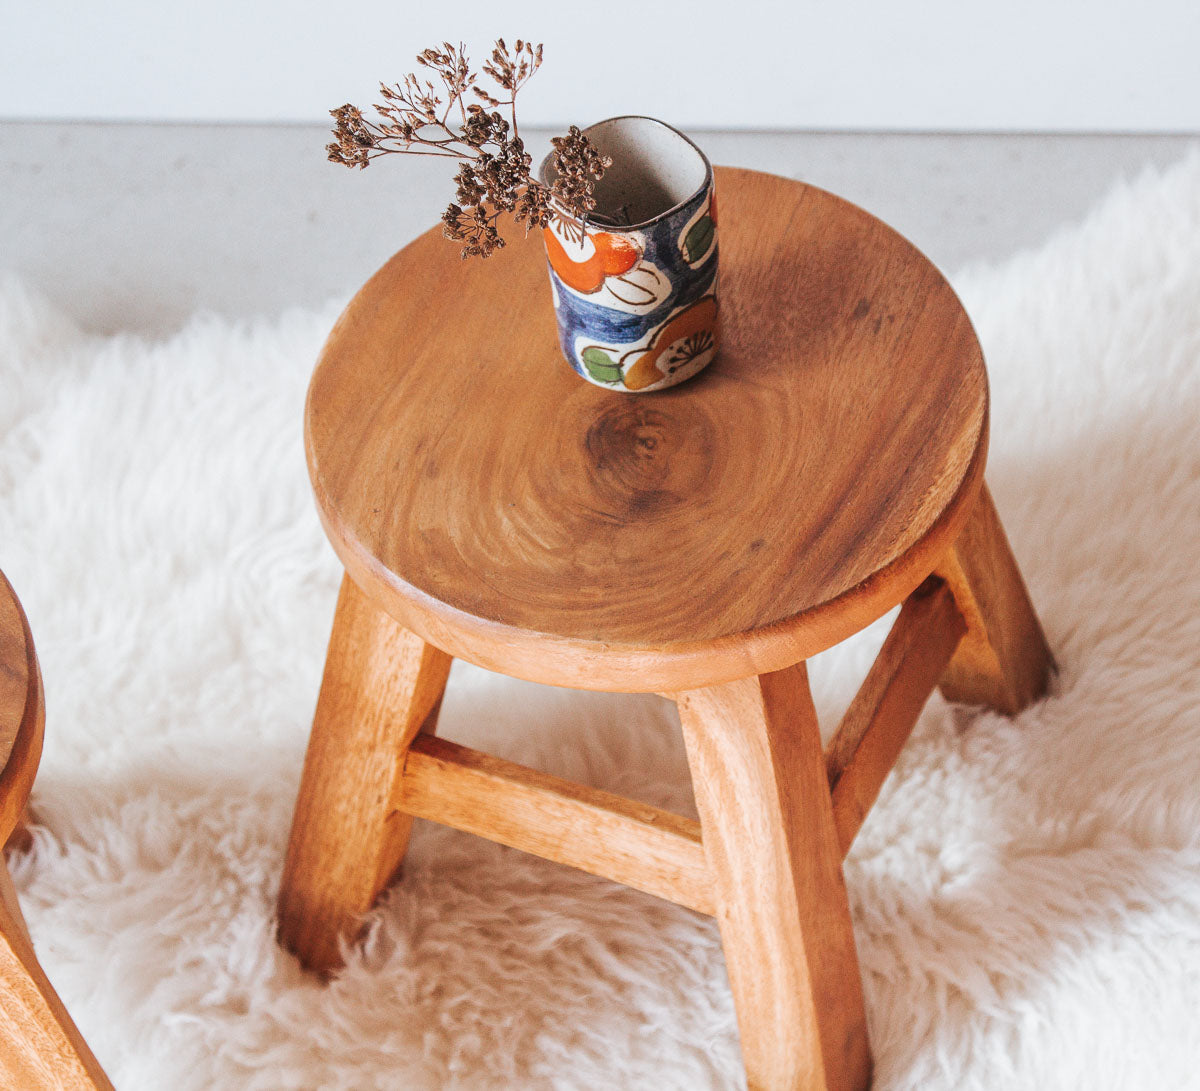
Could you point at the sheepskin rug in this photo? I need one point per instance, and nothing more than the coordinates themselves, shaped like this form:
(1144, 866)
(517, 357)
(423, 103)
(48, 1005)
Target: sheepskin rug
(1026, 894)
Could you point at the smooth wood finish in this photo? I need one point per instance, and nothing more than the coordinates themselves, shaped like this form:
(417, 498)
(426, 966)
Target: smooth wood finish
(1004, 661)
(19, 700)
(41, 1049)
(21, 838)
(701, 542)
(382, 685)
(605, 834)
(885, 710)
(535, 524)
(762, 791)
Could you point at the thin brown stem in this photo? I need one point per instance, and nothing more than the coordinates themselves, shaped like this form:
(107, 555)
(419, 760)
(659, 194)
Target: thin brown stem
(495, 175)
(411, 151)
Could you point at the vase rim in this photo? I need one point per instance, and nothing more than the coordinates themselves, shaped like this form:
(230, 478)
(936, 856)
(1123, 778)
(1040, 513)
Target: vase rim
(545, 169)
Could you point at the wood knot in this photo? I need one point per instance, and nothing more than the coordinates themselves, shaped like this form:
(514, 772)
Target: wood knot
(644, 460)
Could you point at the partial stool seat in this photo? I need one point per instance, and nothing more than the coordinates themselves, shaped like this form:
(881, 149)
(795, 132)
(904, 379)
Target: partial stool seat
(701, 543)
(40, 1047)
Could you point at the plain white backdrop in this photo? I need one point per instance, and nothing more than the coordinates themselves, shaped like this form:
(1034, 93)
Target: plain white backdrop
(937, 65)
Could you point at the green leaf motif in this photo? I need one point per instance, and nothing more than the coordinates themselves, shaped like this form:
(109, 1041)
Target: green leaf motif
(699, 239)
(600, 366)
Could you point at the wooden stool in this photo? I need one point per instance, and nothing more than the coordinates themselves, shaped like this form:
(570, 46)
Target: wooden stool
(40, 1046)
(701, 543)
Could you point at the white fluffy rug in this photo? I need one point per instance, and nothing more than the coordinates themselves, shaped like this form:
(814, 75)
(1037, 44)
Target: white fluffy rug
(1026, 895)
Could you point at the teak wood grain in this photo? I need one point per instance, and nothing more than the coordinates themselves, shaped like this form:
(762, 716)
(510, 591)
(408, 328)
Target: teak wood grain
(885, 709)
(538, 525)
(604, 834)
(15, 695)
(382, 685)
(41, 1049)
(758, 772)
(700, 543)
(1004, 661)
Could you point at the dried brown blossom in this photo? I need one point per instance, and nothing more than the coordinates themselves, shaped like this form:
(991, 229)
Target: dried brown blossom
(577, 164)
(419, 116)
(355, 137)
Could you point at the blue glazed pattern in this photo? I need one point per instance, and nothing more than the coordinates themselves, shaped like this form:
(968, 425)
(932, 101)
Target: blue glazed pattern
(636, 308)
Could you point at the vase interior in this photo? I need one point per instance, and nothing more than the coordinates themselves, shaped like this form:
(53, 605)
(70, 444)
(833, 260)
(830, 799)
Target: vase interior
(655, 169)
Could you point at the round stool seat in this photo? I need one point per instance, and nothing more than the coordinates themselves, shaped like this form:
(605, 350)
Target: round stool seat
(798, 488)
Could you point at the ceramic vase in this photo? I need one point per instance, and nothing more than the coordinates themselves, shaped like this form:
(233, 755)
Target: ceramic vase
(635, 286)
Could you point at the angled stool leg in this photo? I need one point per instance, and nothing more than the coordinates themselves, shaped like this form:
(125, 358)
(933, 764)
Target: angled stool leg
(40, 1047)
(21, 840)
(1003, 661)
(767, 823)
(383, 684)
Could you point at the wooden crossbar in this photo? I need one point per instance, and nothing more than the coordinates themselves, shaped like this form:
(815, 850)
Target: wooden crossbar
(885, 710)
(599, 832)
(654, 850)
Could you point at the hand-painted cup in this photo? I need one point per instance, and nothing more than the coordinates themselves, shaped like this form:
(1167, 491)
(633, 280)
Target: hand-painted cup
(635, 285)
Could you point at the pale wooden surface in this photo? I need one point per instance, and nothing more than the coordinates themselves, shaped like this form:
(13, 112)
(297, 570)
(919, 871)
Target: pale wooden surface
(382, 685)
(758, 771)
(40, 1047)
(1004, 661)
(798, 488)
(885, 709)
(605, 834)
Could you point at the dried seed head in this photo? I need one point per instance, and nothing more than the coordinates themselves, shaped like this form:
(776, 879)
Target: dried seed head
(493, 175)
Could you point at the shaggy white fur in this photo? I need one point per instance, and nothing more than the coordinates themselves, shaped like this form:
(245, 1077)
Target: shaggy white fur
(1026, 894)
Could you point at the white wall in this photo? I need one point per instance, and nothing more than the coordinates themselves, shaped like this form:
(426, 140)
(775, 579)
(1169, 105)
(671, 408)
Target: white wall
(1115, 65)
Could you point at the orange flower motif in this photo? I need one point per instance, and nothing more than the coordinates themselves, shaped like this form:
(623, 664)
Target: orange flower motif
(612, 256)
(688, 335)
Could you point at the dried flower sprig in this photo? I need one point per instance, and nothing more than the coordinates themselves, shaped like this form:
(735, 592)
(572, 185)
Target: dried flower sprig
(419, 117)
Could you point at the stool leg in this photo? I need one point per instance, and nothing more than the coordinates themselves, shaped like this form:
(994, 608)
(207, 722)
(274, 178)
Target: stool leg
(1003, 661)
(21, 839)
(383, 684)
(767, 824)
(40, 1046)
